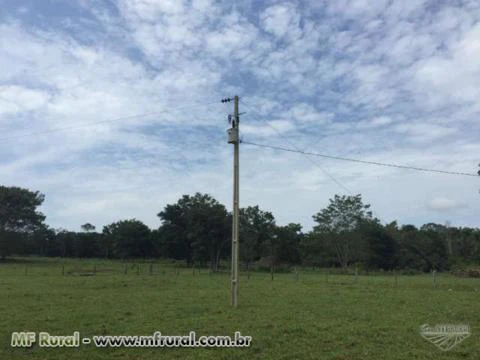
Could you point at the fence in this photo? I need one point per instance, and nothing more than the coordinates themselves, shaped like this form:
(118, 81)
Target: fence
(306, 276)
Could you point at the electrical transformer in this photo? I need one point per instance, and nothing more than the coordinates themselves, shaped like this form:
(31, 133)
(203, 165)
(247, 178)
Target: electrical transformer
(232, 135)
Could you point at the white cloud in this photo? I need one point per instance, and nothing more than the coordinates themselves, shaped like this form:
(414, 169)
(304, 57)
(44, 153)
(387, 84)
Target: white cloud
(281, 20)
(362, 9)
(423, 132)
(16, 99)
(227, 42)
(444, 204)
(375, 122)
(452, 78)
(273, 128)
(151, 10)
(392, 81)
(308, 114)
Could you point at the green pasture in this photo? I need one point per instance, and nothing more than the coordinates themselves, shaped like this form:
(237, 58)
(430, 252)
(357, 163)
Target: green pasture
(315, 314)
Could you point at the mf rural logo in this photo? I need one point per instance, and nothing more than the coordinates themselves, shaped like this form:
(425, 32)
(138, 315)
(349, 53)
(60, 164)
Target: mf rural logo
(445, 337)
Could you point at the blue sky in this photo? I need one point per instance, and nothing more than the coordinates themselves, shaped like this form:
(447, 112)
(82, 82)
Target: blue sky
(389, 81)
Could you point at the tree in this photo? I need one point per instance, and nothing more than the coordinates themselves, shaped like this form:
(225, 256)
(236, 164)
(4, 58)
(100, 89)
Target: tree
(256, 230)
(18, 216)
(41, 241)
(288, 239)
(466, 244)
(434, 249)
(65, 244)
(87, 227)
(89, 242)
(338, 224)
(211, 230)
(130, 238)
(381, 247)
(158, 242)
(423, 249)
(315, 252)
(196, 228)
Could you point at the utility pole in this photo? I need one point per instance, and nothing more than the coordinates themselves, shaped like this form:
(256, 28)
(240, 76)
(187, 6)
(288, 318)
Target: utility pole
(234, 138)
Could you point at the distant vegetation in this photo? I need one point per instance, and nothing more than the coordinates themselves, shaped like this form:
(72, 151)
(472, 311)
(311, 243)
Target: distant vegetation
(197, 230)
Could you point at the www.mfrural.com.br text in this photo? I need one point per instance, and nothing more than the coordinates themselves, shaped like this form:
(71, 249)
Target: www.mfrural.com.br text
(44, 339)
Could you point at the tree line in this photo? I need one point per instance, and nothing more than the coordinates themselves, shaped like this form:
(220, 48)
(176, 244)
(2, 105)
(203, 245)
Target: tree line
(197, 229)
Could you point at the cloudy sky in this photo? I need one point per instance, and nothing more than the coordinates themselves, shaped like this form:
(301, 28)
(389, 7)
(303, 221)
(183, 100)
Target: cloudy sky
(112, 108)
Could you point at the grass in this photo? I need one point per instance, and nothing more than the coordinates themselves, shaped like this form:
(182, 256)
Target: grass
(288, 319)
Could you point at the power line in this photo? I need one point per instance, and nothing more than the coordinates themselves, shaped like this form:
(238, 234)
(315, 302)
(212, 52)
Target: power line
(306, 155)
(360, 161)
(93, 123)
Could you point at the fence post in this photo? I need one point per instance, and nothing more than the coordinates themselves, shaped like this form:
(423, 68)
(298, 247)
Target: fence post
(356, 274)
(434, 278)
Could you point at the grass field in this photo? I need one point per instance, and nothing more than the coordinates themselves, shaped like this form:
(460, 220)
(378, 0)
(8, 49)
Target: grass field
(312, 317)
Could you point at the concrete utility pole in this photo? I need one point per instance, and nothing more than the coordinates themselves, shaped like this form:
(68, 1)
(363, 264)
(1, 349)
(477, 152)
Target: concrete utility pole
(233, 138)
